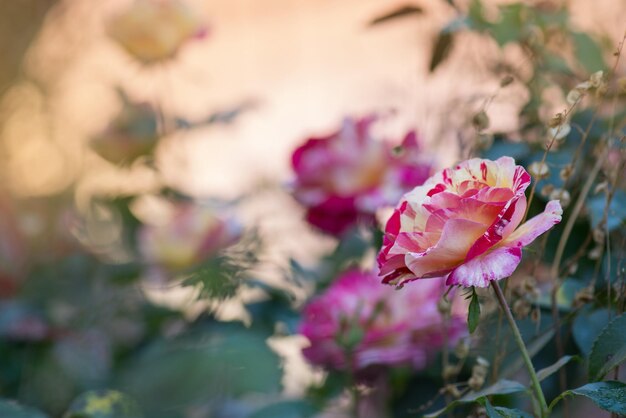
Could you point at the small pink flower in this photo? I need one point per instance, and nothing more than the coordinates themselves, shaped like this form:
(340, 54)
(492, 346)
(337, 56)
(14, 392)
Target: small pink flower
(154, 30)
(398, 327)
(463, 224)
(345, 177)
(192, 234)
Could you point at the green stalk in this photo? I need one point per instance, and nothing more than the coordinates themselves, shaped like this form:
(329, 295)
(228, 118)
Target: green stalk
(520, 343)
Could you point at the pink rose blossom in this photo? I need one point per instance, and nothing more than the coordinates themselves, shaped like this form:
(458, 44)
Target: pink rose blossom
(398, 327)
(191, 234)
(463, 224)
(345, 177)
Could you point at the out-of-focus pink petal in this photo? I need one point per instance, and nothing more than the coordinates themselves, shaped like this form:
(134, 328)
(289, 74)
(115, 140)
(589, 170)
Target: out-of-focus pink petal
(494, 265)
(536, 226)
(350, 165)
(335, 215)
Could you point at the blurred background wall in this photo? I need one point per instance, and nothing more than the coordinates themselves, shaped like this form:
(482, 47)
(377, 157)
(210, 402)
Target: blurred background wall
(303, 64)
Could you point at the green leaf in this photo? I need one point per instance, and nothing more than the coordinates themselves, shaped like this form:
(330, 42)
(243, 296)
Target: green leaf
(587, 326)
(476, 14)
(501, 387)
(353, 336)
(441, 50)
(220, 358)
(609, 349)
(501, 412)
(588, 53)
(104, 404)
(554, 63)
(473, 313)
(510, 26)
(616, 213)
(215, 278)
(609, 395)
(511, 413)
(548, 371)
(10, 409)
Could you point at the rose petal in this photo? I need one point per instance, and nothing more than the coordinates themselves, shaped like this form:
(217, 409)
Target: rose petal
(457, 237)
(494, 265)
(536, 226)
(504, 222)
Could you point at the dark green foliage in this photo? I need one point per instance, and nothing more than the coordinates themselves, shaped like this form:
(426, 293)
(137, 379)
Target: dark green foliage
(609, 349)
(10, 409)
(103, 404)
(473, 313)
(610, 395)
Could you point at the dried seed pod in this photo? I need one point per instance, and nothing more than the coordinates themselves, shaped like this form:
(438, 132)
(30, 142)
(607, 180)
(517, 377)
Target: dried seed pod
(583, 297)
(521, 308)
(475, 383)
(507, 80)
(559, 132)
(574, 96)
(452, 390)
(595, 253)
(566, 172)
(449, 372)
(483, 362)
(562, 195)
(547, 190)
(556, 120)
(596, 79)
(601, 187)
(530, 284)
(462, 348)
(539, 170)
(535, 315)
(598, 235)
(480, 121)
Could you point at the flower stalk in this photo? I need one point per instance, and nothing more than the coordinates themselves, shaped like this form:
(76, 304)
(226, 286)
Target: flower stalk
(520, 343)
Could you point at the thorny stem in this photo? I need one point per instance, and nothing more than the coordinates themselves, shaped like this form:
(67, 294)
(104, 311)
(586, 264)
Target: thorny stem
(520, 343)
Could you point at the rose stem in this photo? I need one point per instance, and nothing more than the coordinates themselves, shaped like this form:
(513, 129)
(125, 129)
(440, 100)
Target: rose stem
(522, 347)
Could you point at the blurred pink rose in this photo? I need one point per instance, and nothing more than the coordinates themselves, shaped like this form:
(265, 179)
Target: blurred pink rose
(345, 177)
(154, 30)
(398, 327)
(191, 235)
(463, 224)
